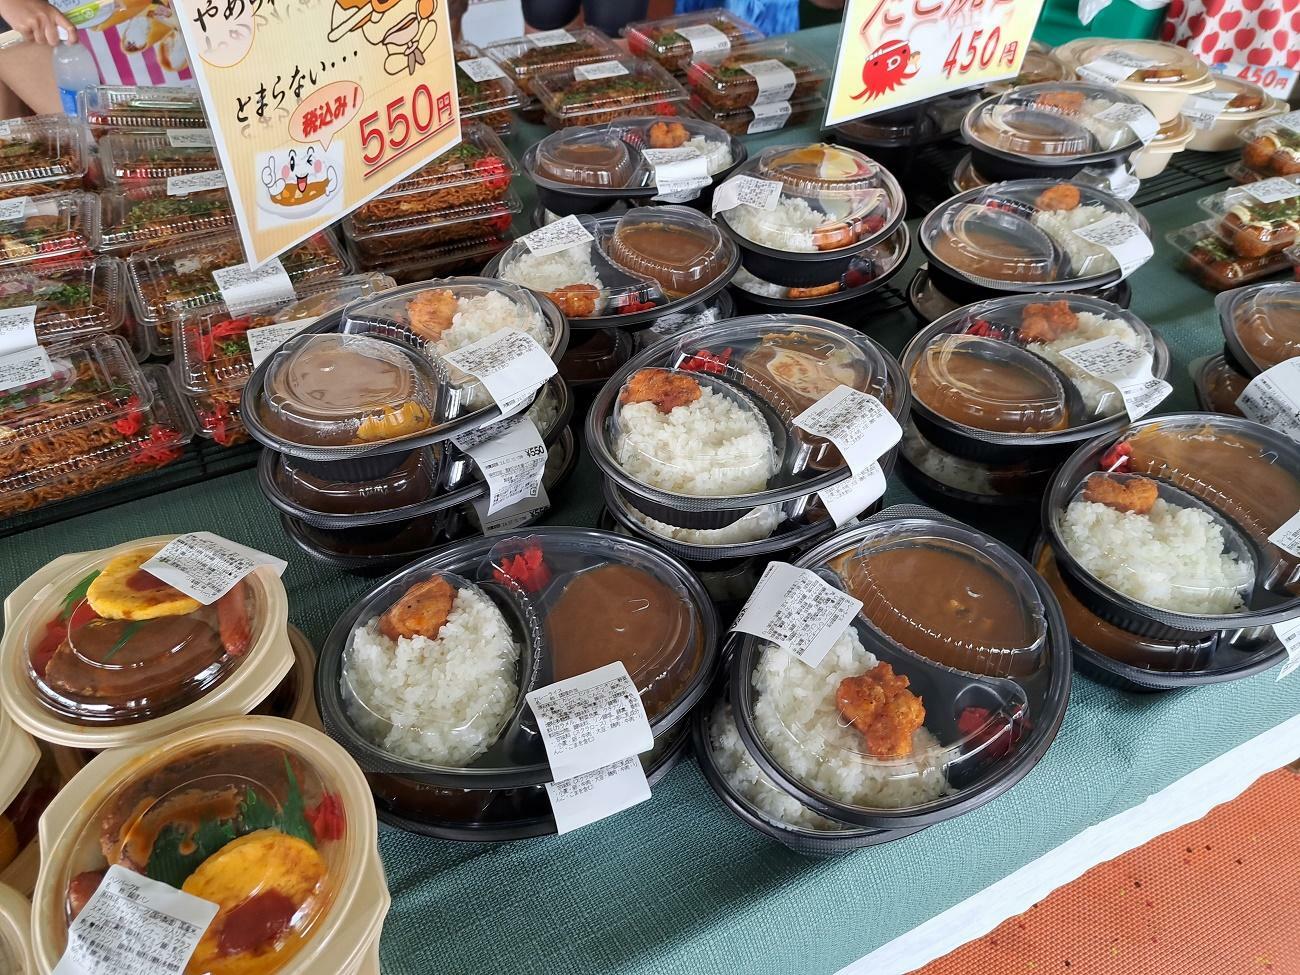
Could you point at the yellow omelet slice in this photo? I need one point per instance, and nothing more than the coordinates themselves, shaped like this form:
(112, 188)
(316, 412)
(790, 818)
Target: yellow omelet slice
(122, 592)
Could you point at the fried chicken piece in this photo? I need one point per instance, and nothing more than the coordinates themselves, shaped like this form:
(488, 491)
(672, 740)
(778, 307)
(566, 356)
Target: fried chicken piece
(1259, 152)
(666, 390)
(422, 610)
(430, 313)
(576, 300)
(1064, 101)
(668, 135)
(880, 706)
(815, 291)
(833, 236)
(1047, 321)
(1062, 196)
(1135, 494)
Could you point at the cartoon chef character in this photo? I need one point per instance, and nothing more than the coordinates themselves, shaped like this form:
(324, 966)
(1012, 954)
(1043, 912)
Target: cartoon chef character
(302, 168)
(405, 28)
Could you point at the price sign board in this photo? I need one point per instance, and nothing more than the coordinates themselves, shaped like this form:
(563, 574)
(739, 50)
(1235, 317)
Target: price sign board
(898, 52)
(318, 105)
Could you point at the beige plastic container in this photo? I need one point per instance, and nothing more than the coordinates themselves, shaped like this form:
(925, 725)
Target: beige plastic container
(1172, 139)
(21, 756)
(1224, 133)
(245, 680)
(15, 938)
(1163, 98)
(341, 930)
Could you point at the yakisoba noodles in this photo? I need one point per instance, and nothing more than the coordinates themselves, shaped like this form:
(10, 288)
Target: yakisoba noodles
(465, 175)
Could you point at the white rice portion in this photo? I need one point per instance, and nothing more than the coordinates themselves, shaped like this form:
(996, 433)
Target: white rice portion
(938, 465)
(717, 155)
(550, 272)
(789, 226)
(744, 775)
(1060, 226)
(796, 717)
(754, 526)
(545, 409)
(1172, 558)
(440, 701)
(712, 447)
(479, 316)
(746, 281)
(1101, 398)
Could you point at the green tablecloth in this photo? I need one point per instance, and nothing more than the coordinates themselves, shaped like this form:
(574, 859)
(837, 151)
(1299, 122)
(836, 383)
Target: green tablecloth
(677, 885)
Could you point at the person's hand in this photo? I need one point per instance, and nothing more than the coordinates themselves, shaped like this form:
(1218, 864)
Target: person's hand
(38, 22)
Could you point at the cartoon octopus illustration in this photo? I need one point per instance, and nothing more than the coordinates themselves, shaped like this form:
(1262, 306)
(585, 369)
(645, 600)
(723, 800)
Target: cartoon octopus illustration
(888, 66)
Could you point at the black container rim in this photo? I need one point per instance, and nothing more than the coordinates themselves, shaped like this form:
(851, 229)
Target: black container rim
(1225, 303)
(330, 656)
(743, 243)
(917, 478)
(1046, 163)
(1028, 752)
(1120, 293)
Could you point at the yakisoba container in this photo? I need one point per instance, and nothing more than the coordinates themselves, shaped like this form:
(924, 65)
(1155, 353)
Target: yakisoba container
(51, 225)
(594, 94)
(1261, 325)
(142, 108)
(230, 811)
(1161, 76)
(104, 654)
(704, 35)
(137, 216)
(38, 152)
(74, 297)
(947, 688)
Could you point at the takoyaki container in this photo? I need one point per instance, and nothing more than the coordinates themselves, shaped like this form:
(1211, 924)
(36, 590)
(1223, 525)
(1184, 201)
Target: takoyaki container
(133, 157)
(733, 360)
(486, 94)
(15, 931)
(224, 661)
(757, 119)
(1036, 68)
(1161, 76)
(1053, 130)
(867, 272)
(1219, 384)
(41, 150)
(551, 589)
(1012, 237)
(759, 73)
(701, 35)
(1261, 325)
(859, 200)
(641, 266)
(1272, 148)
(1214, 263)
(141, 108)
(48, 226)
(74, 297)
(1249, 496)
(586, 168)
(143, 214)
(301, 801)
(976, 635)
(1221, 115)
(1134, 662)
(523, 58)
(594, 94)
(1257, 219)
(990, 384)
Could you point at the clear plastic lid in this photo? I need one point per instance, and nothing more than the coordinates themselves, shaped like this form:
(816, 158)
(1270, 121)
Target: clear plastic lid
(1246, 96)
(213, 352)
(523, 57)
(831, 198)
(409, 230)
(461, 257)
(477, 172)
(867, 268)
(1000, 365)
(768, 71)
(589, 94)
(1022, 234)
(142, 107)
(975, 481)
(135, 216)
(486, 93)
(217, 417)
(700, 35)
(264, 817)
(646, 258)
(1055, 121)
(1133, 62)
(1214, 263)
(1037, 67)
(612, 157)
(53, 225)
(413, 478)
(1261, 323)
(130, 157)
(1273, 145)
(955, 664)
(1259, 218)
(45, 147)
(73, 297)
(509, 616)
(756, 119)
(1219, 385)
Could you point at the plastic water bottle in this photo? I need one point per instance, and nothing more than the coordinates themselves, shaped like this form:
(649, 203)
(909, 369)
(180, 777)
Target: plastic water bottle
(74, 70)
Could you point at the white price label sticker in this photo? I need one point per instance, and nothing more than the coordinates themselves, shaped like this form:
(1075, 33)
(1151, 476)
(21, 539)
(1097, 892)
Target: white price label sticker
(189, 138)
(1287, 537)
(557, 236)
(768, 117)
(680, 173)
(798, 610)
(1137, 118)
(1114, 67)
(776, 82)
(585, 799)
(591, 720)
(17, 329)
(205, 566)
(184, 185)
(6, 130)
(601, 69)
(1123, 238)
(509, 363)
(705, 39)
(243, 287)
(481, 69)
(855, 422)
(1289, 121)
(134, 925)
(1124, 367)
(1273, 190)
(847, 500)
(266, 339)
(24, 368)
(1288, 634)
(511, 456)
(762, 194)
(550, 38)
(515, 516)
(13, 210)
(1273, 398)
(1204, 110)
